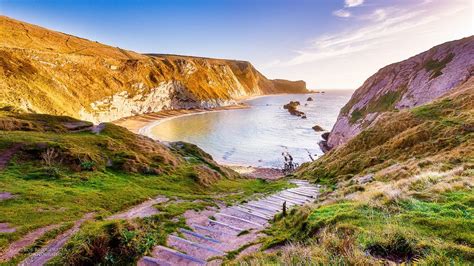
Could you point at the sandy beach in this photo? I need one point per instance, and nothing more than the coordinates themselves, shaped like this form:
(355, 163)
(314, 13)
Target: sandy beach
(142, 124)
(137, 124)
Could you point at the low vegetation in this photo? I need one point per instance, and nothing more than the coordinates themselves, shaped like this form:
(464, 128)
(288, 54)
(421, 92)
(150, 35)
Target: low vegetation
(59, 175)
(384, 103)
(401, 191)
(436, 66)
(346, 232)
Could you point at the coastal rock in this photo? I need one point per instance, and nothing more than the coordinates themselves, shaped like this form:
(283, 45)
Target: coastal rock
(323, 145)
(318, 128)
(325, 136)
(309, 99)
(292, 108)
(413, 82)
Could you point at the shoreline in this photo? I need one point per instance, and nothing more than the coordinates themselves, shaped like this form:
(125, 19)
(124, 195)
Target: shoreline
(140, 124)
(256, 172)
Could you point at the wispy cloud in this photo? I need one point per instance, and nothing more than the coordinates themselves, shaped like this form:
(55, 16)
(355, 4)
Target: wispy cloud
(342, 13)
(382, 26)
(353, 3)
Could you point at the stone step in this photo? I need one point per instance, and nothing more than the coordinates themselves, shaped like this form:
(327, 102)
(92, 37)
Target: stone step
(241, 220)
(275, 208)
(294, 200)
(175, 257)
(255, 211)
(246, 214)
(311, 187)
(277, 203)
(301, 193)
(307, 190)
(294, 196)
(192, 248)
(220, 235)
(196, 237)
(213, 223)
(150, 261)
(280, 200)
(290, 196)
(298, 182)
(270, 211)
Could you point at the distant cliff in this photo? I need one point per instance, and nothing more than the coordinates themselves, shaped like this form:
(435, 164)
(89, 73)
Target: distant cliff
(50, 72)
(413, 82)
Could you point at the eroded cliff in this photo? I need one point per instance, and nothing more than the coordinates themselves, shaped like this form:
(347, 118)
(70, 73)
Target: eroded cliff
(50, 72)
(413, 82)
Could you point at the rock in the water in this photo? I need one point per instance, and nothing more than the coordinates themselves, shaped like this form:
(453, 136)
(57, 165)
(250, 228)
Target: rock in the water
(323, 145)
(309, 99)
(325, 136)
(317, 128)
(292, 109)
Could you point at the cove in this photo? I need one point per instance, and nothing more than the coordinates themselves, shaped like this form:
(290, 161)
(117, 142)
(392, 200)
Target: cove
(257, 136)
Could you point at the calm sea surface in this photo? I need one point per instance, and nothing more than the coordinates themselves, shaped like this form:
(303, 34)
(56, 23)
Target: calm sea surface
(257, 136)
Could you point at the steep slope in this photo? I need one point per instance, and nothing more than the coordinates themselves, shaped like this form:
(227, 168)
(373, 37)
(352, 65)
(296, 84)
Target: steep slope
(415, 81)
(51, 72)
(54, 170)
(400, 192)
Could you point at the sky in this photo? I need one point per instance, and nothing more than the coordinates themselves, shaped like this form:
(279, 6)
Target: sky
(330, 44)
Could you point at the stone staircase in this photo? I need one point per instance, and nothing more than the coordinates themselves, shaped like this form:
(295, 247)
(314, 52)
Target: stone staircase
(228, 229)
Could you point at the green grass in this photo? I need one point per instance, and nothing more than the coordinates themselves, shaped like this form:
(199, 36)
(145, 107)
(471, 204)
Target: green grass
(383, 103)
(438, 128)
(436, 66)
(104, 174)
(41, 201)
(405, 229)
(116, 242)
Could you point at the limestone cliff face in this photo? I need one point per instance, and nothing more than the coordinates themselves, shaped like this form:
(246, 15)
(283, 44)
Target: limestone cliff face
(50, 72)
(415, 81)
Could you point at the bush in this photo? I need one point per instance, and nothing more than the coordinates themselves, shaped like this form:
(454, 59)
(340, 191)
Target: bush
(87, 166)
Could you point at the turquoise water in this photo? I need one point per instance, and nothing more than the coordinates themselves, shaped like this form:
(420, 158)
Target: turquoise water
(257, 136)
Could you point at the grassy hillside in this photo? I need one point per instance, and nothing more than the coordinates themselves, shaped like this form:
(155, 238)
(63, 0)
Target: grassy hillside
(403, 85)
(62, 170)
(50, 72)
(400, 191)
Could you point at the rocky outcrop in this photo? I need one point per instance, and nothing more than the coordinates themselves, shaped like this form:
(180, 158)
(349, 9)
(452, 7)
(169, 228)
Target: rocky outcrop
(292, 108)
(413, 82)
(317, 128)
(281, 85)
(50, 72)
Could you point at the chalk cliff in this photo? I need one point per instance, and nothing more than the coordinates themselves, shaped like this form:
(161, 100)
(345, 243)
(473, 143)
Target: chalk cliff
(413, 82)
(44, 71)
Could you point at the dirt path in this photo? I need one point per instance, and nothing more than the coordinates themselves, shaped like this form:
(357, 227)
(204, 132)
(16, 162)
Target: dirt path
(53, 247)
(216, 232)
(142, 210)
(6, 155)
(24, 242)
(6, 195)
(49, 251)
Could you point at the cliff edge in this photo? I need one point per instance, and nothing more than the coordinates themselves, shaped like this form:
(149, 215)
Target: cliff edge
(413, 82)
(44, 71)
